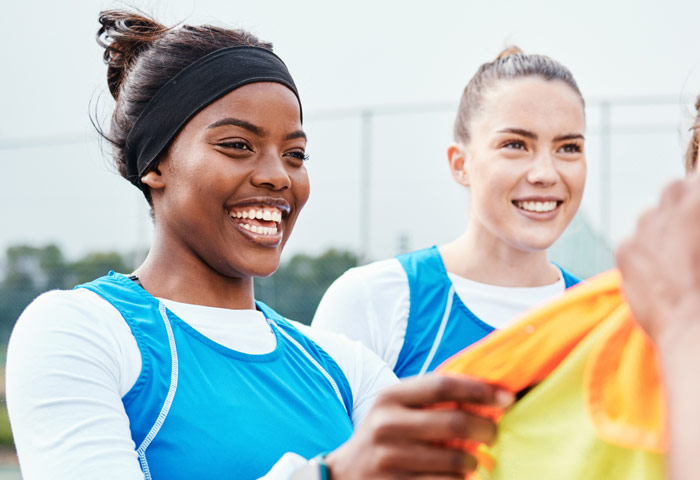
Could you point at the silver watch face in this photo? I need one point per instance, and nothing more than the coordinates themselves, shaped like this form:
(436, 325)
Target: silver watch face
(310, 471)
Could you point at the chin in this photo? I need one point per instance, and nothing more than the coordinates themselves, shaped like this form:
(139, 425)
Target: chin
(533, 248)
(536, 243)
(263, 267)
(264, 273)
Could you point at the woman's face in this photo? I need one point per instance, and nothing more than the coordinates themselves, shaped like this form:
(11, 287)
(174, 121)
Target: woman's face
(233, 182)
(525, 163)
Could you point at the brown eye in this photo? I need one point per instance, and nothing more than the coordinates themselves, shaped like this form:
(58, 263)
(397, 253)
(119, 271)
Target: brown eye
(299, 155)
(235, 145)
(515, 145)
(571, 148)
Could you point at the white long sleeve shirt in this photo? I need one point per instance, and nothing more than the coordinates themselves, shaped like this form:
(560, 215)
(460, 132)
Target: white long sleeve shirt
(371, 304)
(72, 357)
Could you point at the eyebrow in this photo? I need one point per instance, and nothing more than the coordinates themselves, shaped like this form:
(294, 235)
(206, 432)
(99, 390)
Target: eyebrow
(295, 135)
(570, 136)
(239, 123)
(261, 132)
(533, 136)
(520, 131)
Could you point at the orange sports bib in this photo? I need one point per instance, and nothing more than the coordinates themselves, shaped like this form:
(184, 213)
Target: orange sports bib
(595, 406)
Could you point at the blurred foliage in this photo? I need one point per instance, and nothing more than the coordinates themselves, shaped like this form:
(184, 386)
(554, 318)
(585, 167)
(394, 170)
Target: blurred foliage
(5, 431)
(298, 285)
(27, 271)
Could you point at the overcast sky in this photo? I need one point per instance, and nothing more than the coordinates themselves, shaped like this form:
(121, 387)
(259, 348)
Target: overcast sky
(57, 186)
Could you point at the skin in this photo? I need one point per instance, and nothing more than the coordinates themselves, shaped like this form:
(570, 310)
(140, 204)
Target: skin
(400, 438)
(201, 256)
(660, 265)
(526, 143)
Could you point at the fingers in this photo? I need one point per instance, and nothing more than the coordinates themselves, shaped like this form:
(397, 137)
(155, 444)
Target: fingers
(402, 437)
(436, 425)
(437, 477)
(435, 388)
(674, 192)
(423, 459)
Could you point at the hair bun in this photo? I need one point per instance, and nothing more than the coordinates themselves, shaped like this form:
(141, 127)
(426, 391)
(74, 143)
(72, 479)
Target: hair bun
(124, 35)
(508, 51)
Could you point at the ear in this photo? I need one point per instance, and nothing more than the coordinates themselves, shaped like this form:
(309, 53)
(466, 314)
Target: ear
(457, 156)
(154, 179)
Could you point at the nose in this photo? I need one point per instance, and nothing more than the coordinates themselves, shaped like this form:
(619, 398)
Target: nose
(543, 170)
(271, 173)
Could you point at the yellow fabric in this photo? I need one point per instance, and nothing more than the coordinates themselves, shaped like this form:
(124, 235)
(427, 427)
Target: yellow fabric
(596, 407)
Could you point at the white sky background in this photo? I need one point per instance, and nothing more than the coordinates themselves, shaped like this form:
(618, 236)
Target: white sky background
(344, 56)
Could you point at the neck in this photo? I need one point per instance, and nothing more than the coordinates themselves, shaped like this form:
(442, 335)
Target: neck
(482, 258)
(168, 273)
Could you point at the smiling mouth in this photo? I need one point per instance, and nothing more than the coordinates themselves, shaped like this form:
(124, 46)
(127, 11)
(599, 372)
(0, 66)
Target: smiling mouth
(263, 220)
(537, 206)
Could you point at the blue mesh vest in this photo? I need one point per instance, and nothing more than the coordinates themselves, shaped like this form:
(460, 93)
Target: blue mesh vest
(439, 324)
(201, 410)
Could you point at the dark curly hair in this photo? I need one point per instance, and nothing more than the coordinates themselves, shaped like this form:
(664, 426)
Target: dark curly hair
(142, 55)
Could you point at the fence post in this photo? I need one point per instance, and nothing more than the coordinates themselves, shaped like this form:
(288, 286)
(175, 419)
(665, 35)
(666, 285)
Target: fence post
(605, 181)
(365, 185)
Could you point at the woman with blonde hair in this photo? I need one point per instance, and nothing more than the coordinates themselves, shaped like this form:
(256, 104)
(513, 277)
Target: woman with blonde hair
(519, 149)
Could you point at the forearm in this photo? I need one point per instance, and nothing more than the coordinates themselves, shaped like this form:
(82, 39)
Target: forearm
(679, 349)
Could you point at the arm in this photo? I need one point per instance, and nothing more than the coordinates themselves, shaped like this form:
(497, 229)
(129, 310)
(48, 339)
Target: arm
(395, 435)
(660, 266)
(369, 304)
(401, 438)
(68, 367)
(63, 392)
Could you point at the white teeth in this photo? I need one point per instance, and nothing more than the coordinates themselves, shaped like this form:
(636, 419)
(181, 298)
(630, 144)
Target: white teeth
(259, 230)
(537, 206)
(267, 215)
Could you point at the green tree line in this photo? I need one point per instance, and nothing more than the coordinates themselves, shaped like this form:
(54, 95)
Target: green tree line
(27, 271)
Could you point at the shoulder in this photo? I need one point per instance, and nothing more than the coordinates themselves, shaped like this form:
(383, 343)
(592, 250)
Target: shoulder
(74, 326)
(363, 298)
(341, 349)
(370, 304)
(66, 306)
(381, 272)
(65, 367)
(383, 278)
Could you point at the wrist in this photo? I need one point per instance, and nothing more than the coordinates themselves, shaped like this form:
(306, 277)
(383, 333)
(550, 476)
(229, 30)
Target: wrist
(314, 469)
(329, 461)
(680, 327)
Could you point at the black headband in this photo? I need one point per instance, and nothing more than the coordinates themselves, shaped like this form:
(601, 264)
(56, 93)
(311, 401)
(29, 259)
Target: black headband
(199, 84)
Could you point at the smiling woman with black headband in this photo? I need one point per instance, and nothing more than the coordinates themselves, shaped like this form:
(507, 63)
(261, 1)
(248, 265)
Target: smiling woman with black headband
(175, 371)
